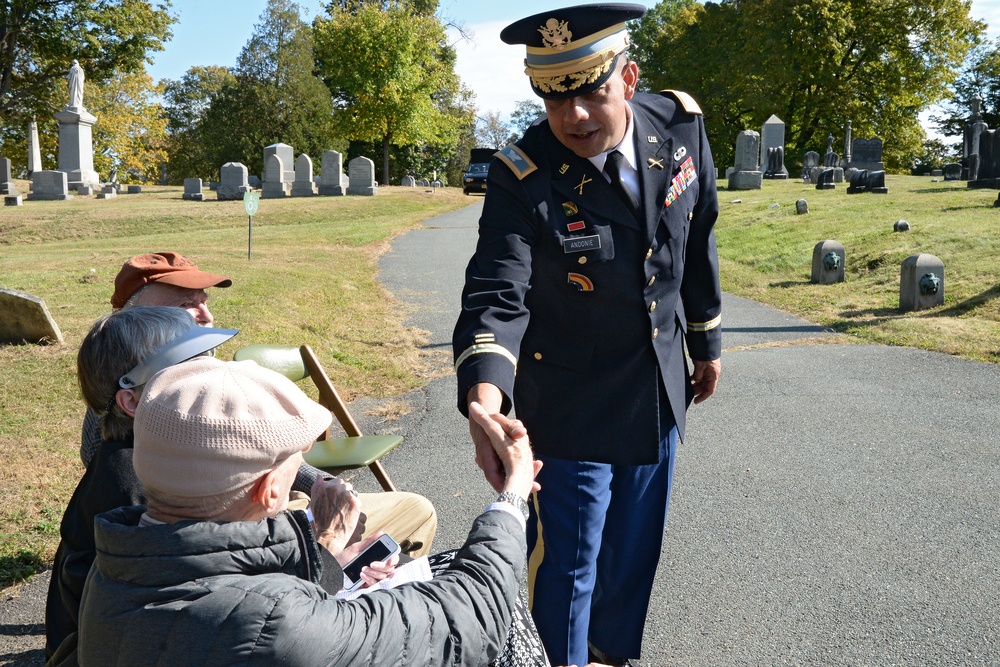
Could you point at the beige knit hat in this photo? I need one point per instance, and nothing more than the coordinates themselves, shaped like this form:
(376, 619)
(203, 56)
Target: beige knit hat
(208, 426)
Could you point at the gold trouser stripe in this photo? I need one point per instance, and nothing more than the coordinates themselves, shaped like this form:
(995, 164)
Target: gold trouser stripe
(705, 326)
(536, 555)
(485, 348)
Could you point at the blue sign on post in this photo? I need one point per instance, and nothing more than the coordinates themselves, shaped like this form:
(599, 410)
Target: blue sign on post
(251, 202)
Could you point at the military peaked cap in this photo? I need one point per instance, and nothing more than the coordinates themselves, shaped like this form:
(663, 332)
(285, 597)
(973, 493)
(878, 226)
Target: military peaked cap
(572, 51)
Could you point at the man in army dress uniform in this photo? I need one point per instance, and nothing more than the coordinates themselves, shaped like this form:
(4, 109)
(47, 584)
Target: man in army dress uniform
(596, 264)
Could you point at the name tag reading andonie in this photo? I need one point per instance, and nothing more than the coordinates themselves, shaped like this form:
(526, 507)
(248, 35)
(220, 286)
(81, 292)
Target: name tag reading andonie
(581, 243)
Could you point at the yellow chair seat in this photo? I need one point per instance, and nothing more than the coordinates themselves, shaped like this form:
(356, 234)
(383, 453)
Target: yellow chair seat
(338, 454)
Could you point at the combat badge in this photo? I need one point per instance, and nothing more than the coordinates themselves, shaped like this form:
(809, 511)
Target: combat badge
(581, 282)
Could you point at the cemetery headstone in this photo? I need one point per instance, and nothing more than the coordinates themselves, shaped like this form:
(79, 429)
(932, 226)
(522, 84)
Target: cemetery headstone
(867, 154)
(987, 171)
(7, 186)
(49, 185)
(828, 263)
(287, 155)
(423, 183)
(940, 172)
(801, 207)
(12, 200)
(859, 182)
(408, 181)
(921, 283)
(901, 226)
(109, 191)
(24, 318)
(361, 172)
(134, 190)
(825, 179)
(192, 189)
(303, 185)
(76, 139)
(274, 187)
(847, 147)
(772, 148)
(971, 133)
(952, 171)
(876, 183)
(85, 190)
(746, 174)
(34, 152)
(809, 162)
(233, 182)
(331, 171)
(253, 180)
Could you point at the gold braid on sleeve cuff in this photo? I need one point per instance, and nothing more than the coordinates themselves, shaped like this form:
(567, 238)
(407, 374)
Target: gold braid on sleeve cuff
(705, 326)
(485, 348)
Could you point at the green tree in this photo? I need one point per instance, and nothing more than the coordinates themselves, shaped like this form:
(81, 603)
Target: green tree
(398, 82)
(275, 96)
(186, 103)
(525, 113)
(980, 76)
(130, 134)
(815, 65)
(39, 39)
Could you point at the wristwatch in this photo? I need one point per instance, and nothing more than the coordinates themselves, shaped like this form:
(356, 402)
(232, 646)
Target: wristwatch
(515, 500)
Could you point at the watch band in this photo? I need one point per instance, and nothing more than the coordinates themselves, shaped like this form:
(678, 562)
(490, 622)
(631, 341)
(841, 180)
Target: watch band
(515, 500)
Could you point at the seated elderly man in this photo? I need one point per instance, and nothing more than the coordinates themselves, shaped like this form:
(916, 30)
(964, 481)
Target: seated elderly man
(170, 279)
(135, 344)
(213, 568)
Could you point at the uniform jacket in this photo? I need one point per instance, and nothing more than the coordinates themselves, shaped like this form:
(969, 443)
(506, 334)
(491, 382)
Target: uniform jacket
(577, 310)
(252, 593)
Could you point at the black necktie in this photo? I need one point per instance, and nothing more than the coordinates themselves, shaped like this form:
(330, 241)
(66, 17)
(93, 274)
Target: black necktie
(613, 168)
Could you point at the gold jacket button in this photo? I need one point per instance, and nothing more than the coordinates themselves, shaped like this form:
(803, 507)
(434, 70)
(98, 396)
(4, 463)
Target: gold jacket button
(652, 306)
(651, 281)
(538, 356)
(649, 253)
(656, 332)
(690, 215)
(582, 260)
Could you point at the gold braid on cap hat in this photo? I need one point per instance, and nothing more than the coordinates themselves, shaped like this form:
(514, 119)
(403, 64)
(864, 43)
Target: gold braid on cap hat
(579, 72)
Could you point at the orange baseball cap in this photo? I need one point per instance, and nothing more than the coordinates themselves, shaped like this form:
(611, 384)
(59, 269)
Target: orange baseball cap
(169, 268)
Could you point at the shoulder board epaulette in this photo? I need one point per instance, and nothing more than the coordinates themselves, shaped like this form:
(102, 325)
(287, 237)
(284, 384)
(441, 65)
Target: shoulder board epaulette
(517, 160)
(685, 100)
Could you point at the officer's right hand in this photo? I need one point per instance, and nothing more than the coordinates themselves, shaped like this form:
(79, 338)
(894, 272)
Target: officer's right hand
(490, 398)
(509, 440)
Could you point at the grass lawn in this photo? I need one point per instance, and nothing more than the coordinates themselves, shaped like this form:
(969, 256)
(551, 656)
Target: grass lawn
(311, 279)
(766, 255)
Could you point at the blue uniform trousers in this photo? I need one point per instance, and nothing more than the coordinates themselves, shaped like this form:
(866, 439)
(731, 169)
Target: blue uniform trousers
(594, 540)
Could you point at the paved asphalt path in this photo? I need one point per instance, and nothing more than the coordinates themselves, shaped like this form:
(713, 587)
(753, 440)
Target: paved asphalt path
(834, 504)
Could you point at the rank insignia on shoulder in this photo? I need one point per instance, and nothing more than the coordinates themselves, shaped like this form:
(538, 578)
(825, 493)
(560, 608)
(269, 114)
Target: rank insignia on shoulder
(686, 101)
(570, 209)
(576, 226)
(517, 160)
(581, 282)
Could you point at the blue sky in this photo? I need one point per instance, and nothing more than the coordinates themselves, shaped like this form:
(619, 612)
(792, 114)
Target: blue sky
(212, 32)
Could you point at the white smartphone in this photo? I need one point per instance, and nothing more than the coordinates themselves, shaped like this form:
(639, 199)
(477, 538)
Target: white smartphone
(380, 550)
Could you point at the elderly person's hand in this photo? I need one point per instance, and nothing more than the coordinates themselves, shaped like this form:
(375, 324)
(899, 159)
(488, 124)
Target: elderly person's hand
(510, 443)
(374, 572)
(337, 516)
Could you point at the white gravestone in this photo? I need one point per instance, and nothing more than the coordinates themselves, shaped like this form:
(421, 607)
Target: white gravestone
(192, 189)
(330, 177)
(287, 155)
(303, 185)
(361, 172)
(273, 187)
(24, 318)
(49, 185)
(233, 183)
(34, 152)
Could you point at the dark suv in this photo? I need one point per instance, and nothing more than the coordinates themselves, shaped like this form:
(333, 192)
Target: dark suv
(474, 178)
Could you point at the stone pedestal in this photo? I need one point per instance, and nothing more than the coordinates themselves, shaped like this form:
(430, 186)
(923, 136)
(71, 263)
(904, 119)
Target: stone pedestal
(828, 263)
(76, 147)
(921, 283)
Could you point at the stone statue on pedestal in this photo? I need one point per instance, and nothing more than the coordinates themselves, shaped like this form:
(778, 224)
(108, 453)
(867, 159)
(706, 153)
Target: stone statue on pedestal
(75, 78)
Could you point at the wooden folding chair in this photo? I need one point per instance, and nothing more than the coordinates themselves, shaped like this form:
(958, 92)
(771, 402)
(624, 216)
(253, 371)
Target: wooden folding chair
(331, 455)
